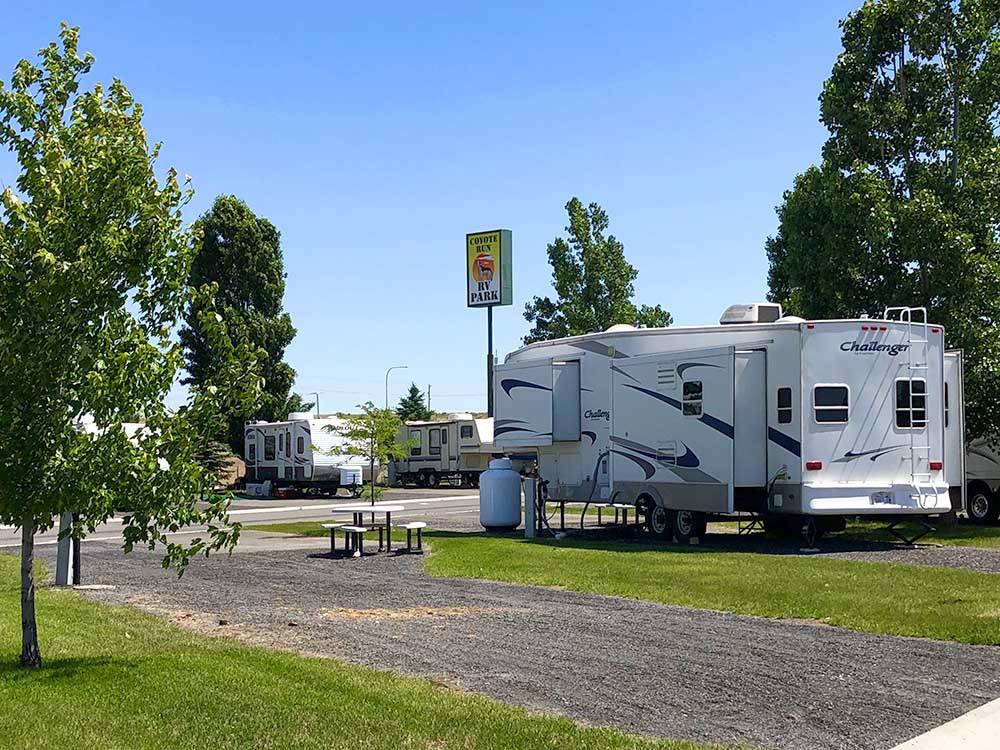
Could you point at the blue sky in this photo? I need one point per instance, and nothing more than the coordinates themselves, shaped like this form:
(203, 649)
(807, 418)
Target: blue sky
(375, 135)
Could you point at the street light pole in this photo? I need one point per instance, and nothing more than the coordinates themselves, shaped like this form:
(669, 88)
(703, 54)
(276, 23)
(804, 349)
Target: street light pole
(316, 394)
(394, 367)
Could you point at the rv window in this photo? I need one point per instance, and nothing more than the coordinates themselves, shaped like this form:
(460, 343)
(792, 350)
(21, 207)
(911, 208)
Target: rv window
(832, 404)
(691, 406)
(269, 447)
(784, 406)
(300, 445)
(911, 403)
(252, 452)
(466, 432)
(434, 442)
(281, 442)
(444, 436)
(415, 437)
(288, 443)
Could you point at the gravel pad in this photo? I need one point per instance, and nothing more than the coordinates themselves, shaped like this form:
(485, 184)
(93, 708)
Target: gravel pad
(641, 667)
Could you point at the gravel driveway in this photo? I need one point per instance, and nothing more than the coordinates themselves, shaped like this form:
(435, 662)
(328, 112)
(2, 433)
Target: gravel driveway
(642, 667)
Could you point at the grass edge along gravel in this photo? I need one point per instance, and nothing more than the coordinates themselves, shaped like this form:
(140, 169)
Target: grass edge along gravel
(117, 678)
(873, 597)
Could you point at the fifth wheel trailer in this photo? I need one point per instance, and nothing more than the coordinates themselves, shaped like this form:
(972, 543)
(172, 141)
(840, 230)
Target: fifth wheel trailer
(802, 422)
(458, 448)
(299, 452)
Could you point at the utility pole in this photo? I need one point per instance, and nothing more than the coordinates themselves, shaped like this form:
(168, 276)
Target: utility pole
(428, 397)
(316, 394)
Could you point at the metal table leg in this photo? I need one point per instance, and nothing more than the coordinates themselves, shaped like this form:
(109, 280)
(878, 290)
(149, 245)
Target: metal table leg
(388, 531)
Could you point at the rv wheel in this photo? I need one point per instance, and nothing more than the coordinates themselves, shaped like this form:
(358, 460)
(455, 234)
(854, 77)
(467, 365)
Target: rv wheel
(432, 480)
(657, 520)
(684, 524)
(983, 506)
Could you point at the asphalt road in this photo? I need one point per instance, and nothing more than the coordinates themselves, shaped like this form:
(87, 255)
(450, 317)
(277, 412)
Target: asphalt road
(453, 508)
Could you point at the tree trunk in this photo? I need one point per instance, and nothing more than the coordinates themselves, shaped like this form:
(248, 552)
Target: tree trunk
(30, 655)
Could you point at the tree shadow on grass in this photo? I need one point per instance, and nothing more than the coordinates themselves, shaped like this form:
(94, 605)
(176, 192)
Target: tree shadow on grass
(64, 669)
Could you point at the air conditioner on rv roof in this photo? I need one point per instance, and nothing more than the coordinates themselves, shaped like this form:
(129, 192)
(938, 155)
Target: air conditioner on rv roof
(755, 312)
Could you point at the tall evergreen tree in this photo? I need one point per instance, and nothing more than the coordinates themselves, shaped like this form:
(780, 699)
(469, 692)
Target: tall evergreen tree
(594, 283)
(905, 207)
(240, 254)
(413, 407)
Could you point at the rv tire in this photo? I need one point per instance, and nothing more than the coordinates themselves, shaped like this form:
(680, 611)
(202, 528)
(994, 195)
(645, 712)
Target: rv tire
(983, 506)
(432, 480)
(657, 519)
(685, 524)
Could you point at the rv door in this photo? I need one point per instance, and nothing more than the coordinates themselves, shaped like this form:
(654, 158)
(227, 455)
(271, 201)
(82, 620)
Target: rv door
(523, 404)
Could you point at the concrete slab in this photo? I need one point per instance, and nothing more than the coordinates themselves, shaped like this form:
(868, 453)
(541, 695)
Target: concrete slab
(976, 730)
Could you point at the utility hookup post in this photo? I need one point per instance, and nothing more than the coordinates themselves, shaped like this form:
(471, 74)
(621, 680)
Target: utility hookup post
(65, 553)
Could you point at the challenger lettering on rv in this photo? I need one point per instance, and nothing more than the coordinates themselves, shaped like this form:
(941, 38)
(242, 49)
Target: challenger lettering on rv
(873, 347)
(597, 414)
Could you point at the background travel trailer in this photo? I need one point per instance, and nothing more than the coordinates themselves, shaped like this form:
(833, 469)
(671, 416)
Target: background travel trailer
(299, 452)
(800, 421)
(455, 449)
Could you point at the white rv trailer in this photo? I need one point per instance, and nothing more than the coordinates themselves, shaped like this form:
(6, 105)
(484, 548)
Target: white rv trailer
(800, 421)
(973, 469)
(458, 448)
(299, 452)
(982, 473)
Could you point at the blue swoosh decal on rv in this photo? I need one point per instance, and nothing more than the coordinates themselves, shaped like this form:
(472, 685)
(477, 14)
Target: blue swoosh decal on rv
(510, 384)
(706, 419)
(505, 430)
(591, 435)
(787, 442)
(645, 465)
(682, 367)
(620, 371)
(875, 453)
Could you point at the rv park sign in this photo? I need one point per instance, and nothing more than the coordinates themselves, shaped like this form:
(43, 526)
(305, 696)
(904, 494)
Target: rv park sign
(488, 268)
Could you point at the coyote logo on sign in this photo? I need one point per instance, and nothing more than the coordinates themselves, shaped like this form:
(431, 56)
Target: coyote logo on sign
(482, 269)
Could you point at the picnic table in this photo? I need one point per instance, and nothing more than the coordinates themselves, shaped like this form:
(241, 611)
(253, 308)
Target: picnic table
(358, 511)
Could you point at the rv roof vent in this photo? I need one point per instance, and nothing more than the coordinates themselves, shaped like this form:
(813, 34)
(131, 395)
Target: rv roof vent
(791, 319)
(295, 415)
(755, 312)
(618, 327)
(460, 415)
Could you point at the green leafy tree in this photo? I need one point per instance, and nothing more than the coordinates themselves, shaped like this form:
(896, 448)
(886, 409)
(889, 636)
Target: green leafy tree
(905, 206)
(240, 253)
(413, 407)
(594, 284)
(372, 434)
(94, 264)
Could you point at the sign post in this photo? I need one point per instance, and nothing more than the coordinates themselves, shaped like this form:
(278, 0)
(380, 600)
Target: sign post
(488, 274)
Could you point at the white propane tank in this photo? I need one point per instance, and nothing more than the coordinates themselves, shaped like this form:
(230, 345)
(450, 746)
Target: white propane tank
(350, 476)
(500, 496)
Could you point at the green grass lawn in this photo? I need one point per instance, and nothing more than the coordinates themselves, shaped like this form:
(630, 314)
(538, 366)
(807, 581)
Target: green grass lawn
(115, 678)
(886, 598)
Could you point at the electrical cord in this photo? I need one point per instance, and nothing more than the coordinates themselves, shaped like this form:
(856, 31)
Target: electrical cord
(593, 485)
